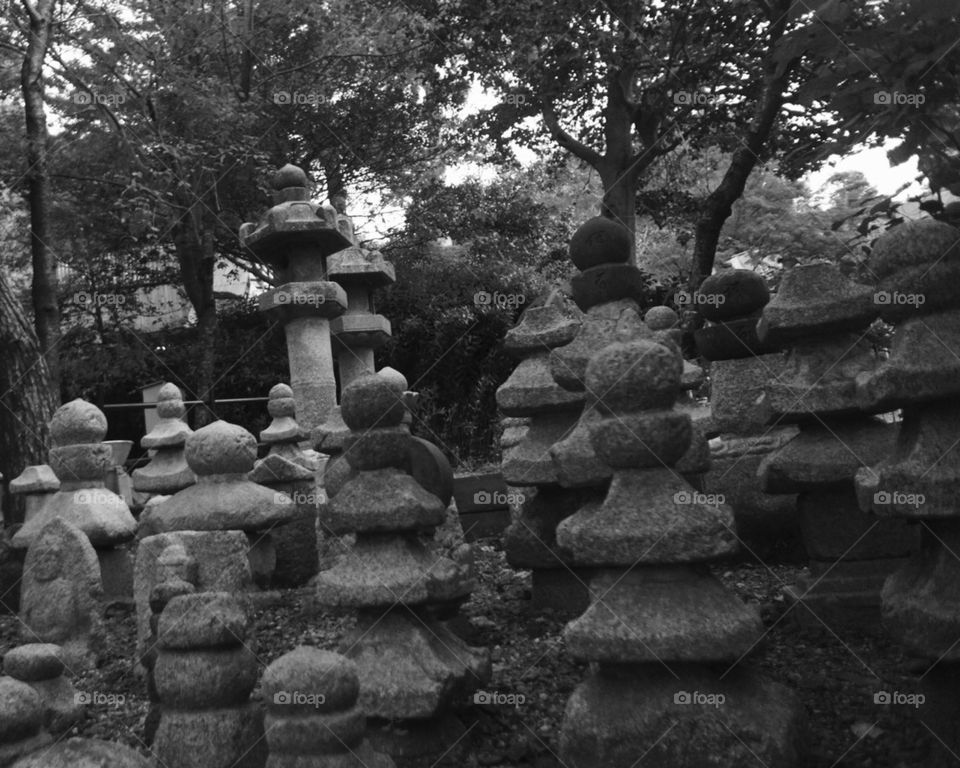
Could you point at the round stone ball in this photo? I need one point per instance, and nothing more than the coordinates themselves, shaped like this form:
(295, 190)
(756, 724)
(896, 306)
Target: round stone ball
(281, 403)
(394, 376)
(634, 376)
(77, 422)
(170, 402)
(310, 680)
(221, 448)
(33, 662)
(289, 176)
(371, 401)
(731, 294)
(21, 710)
(600, 241)
(912, 244)
(661, 318)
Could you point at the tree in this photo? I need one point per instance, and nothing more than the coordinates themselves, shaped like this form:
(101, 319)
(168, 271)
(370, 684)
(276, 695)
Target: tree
(45, 291)
(27, 402)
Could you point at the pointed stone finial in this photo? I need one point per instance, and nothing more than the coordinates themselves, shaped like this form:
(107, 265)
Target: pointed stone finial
(289, 175)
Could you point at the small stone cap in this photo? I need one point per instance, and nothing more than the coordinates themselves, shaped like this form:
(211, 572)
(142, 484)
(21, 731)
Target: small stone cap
(221, 448)
(912, 244)
(77, 422)
(372, 401)
(289, 176)
(21, 710)
(661, 318)
(600, 241)
(634, 376)
(282, 407)
(170, 402)
(33, 662)
(325, 681)
(394, 376)
(37, 478)
(203, 620)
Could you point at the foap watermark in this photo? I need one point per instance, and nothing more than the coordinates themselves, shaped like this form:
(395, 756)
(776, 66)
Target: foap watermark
(515, 98)
(97, 698)
(497, 299)
(896, 497)
(498, 698)
(692, 98)
(306, 498)
(498, 498)
(299, 698)
(700, 698)
(695, 497)
(290, 298)
(94, 299)
(896, 298)
(94, 496)
(898, 98)
(915, 700)
(685, 298)
(86, 98)
(300, 98)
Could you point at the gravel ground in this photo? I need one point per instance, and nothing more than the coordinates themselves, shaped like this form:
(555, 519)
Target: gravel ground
(834, 676)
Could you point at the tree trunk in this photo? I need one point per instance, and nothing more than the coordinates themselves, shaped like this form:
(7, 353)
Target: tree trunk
(620, 196)
(45, 287)
(193, 239)
(26, 401)
(719, 203)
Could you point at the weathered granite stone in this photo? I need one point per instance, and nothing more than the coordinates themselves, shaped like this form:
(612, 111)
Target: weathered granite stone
(661, 318)
(732, 294)
(382, 500)
(531, 390)
(668, 716)
(167, 472)
(213, 561)
(914, 243)
(40, 666)
(204, 692)
(649, 614)
(61, 589)
(731, 340)
(80, 460)
(737, 388)
(312, 719)
(21, 721)
(84, 753)
(203, 620)
(529, 462)
(816, 300)
(600, 241)
(374, 402)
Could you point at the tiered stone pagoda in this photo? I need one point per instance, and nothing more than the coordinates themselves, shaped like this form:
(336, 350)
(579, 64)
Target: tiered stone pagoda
(412, 669)
(917, 265)
(313, 718)
(80, 459)
(167, 471)
(731, 303)
(665, 639)
(822, 319)
(287, 468)
(549, 412)
(205, 670)
(295, 238)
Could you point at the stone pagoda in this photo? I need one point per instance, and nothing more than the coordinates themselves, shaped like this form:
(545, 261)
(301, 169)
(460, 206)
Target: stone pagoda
(313, 719)
(549, 412)
(287, 468)
(608, 291)
(917, 265)
(412, 669)
(822, 319)
(731, 303)
(167, 472)
(295, 238)
(80, 459)
(664, 638)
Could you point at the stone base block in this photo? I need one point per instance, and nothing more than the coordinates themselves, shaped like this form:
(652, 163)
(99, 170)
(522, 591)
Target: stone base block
(116, 573)
(683, 717)
(211, 738)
